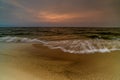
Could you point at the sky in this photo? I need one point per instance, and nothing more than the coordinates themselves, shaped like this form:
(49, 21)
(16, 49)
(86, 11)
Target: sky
(64, 13)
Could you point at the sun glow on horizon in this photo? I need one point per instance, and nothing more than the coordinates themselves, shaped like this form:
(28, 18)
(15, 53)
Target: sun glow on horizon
(54, 17)
(68, 17)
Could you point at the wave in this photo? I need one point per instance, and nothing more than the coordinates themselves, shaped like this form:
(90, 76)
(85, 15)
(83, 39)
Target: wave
(72, 46)
(85, 46)
(9, 39)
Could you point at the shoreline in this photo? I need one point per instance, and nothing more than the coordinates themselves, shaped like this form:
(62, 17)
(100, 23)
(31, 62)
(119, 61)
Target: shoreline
(38, 62)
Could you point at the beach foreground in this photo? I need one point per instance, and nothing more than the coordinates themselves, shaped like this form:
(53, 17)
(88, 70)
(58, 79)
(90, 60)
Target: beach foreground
(19, 61)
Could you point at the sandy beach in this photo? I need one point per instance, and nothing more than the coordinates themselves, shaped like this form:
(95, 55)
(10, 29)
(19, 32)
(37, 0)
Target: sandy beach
(19, 61)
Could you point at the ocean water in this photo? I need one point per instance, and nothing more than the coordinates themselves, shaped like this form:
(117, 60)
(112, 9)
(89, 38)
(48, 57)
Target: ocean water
(73, 40)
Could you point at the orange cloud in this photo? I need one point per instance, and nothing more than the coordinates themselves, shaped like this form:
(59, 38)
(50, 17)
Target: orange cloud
(68, 17)
(54, 17)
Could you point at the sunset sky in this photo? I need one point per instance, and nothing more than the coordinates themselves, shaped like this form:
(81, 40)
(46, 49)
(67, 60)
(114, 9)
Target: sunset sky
(74, 13)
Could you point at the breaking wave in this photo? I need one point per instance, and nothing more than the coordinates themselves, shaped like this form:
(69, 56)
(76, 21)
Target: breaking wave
(85, 46)
(9, 39)
(72, 46)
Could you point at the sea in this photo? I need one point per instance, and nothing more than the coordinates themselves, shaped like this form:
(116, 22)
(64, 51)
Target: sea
(77, 40)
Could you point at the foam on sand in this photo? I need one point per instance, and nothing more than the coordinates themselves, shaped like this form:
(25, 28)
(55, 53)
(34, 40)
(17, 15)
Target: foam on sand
(85, 46)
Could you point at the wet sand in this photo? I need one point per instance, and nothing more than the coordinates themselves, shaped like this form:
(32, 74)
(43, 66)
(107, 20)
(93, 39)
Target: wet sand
(36, 62)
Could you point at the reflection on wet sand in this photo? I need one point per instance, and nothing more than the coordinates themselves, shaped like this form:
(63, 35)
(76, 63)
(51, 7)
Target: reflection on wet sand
(37, 62)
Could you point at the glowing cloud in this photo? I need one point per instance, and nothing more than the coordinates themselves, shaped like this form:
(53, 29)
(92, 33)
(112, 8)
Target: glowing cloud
(54, 17)
(68, 17)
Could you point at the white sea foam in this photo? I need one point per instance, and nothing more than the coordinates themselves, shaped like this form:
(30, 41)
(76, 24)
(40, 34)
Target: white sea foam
(85, 46)
(19, 39)
(72, 46)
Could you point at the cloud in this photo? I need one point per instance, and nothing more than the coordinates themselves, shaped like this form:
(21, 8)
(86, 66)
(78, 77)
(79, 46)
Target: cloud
(102, 12)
